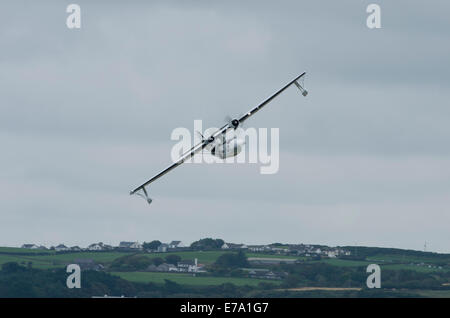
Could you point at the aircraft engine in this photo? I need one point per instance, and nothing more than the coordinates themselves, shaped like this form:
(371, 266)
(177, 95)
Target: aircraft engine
(235, 123)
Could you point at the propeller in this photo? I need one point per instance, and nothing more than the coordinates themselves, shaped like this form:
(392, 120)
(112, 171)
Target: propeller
(199, 134)
(203, 138)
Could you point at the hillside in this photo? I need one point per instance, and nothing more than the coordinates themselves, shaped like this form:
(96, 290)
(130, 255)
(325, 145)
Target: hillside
(281, 271)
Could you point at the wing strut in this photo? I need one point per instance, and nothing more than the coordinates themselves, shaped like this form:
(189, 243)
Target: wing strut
(144, 194)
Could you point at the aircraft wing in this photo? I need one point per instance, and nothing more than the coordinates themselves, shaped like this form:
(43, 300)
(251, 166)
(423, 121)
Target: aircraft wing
(267, 101)
(197, 148)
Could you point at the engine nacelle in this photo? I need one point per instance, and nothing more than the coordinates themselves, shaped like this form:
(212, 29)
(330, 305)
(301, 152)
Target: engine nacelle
(235, 123)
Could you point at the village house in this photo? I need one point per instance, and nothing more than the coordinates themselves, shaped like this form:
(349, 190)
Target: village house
(258, 248)
(166, 268)
(273, 275)
(94, 247)
(334, 252)
(163, 248)
(130, 245)
(61, 248)
(176, 245)
(331, 254)
(30, 246)
(279, 250)
(263, 273)
(188, 266)
(233, 246)
(271, 261)
(185, 266)
(298, 249)
(99, 247)
(152, 268)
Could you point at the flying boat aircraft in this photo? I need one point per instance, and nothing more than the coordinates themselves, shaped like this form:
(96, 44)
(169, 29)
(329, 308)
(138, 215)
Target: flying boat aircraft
(217, 144)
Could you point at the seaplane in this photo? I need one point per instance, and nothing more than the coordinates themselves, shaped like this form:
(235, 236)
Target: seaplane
(217, 144)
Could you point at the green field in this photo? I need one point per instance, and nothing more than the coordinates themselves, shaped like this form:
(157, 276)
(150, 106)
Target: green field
(423, 269)
(404, 259)
(343, 262)
(384, 265)
(275, 256)
(430, 293)
(206, 257)
(50, 259)
(59, 260)
(423, 264)
(188, 279)
(100, 257)
(12, 250)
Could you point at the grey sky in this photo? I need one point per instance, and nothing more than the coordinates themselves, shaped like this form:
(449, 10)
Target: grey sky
(86, 115)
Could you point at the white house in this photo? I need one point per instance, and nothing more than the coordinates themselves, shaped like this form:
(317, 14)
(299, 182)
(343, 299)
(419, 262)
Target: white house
(257, 248)
(176, 244)
(30, 246)
(61, 247)
(99, 247)
(95, 247)
(188, 266)
(235, 246)
(172, 268)
(166, 268)
(163, 248)
(130, 245)
(331, 254)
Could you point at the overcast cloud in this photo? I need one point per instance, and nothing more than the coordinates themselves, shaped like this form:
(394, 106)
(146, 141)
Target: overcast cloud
(86, 115)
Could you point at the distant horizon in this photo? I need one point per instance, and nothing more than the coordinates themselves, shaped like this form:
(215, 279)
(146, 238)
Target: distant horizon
(235, 242)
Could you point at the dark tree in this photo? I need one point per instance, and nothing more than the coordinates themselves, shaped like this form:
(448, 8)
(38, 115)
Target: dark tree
(207, 244)
(153, 245)
(12, 267)
(157, 261)
(232, 260)
(173, 259)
